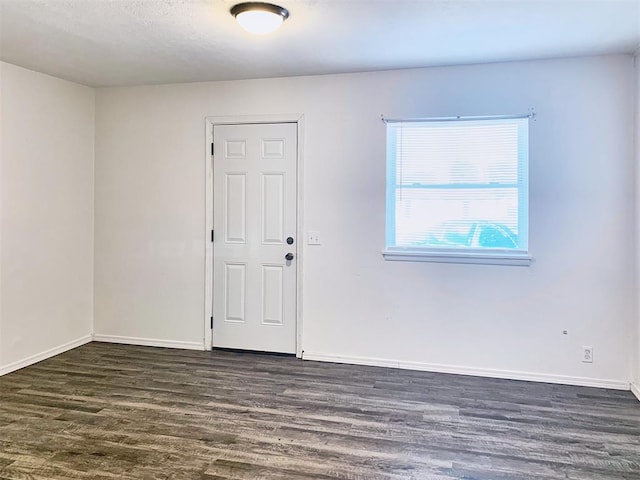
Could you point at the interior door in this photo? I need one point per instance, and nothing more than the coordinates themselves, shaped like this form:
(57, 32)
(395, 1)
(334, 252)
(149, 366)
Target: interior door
(255, 244)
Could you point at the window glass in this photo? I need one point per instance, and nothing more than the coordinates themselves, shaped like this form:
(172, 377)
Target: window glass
(457, 185)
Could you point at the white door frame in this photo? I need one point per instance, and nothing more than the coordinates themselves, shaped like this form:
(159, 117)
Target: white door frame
(210, 122)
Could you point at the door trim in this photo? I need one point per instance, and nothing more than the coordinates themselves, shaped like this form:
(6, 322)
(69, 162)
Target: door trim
(210, 122)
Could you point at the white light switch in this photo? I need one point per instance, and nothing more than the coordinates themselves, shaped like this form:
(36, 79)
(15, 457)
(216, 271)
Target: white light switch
(313, 238)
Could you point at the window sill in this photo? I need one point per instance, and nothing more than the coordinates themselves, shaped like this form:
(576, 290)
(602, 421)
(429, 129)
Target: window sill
(514, 259)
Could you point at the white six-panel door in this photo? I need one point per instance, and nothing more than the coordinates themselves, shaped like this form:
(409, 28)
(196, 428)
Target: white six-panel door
(254, 214)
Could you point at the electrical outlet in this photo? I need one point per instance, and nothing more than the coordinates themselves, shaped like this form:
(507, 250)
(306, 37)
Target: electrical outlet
(587, 354)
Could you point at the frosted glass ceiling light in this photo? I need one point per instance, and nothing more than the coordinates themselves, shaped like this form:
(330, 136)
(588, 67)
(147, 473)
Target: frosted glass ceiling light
(259, 18)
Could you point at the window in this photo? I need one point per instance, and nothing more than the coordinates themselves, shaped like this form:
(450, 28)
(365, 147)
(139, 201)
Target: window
(457, 190)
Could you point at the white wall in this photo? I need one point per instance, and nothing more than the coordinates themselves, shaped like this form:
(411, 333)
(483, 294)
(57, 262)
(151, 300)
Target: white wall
(46, 254)
(636, 373)
(150, 214)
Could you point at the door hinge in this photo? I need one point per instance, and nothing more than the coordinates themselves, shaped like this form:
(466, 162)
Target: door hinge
(212, 235)
(212, 148)
(211, 323)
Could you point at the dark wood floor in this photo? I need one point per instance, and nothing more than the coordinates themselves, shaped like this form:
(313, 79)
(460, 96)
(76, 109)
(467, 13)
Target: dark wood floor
(112, 411)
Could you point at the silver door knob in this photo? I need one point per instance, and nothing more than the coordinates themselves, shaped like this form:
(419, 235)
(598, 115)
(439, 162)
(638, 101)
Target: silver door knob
(289, 256)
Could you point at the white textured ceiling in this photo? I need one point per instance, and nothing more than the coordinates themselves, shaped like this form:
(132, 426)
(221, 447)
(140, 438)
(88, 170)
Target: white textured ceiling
(132, 42)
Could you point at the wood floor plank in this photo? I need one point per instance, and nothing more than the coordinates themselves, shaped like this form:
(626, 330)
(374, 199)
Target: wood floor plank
(106, 411)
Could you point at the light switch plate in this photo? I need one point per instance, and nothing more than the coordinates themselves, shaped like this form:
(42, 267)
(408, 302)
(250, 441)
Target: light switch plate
(313, 238)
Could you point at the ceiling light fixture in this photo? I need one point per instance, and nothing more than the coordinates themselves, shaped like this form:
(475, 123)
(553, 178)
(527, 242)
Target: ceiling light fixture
(259, 18)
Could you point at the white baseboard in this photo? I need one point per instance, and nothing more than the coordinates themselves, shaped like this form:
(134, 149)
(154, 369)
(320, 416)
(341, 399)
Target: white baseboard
(635, 389)
(476, 372)
(148, 342)
(12, 367)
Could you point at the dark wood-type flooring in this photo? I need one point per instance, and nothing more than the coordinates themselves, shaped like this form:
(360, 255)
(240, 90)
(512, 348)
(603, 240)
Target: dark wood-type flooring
(113, 411)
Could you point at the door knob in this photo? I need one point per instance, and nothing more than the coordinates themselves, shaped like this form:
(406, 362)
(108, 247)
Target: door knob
(289, 256)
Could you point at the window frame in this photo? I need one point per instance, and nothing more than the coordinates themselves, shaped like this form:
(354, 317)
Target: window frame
(486, 256)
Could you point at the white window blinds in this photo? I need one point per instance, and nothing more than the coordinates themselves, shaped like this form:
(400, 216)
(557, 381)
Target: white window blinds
(458, 185)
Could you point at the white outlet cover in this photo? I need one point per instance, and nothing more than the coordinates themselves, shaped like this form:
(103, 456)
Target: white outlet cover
(587, 354)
